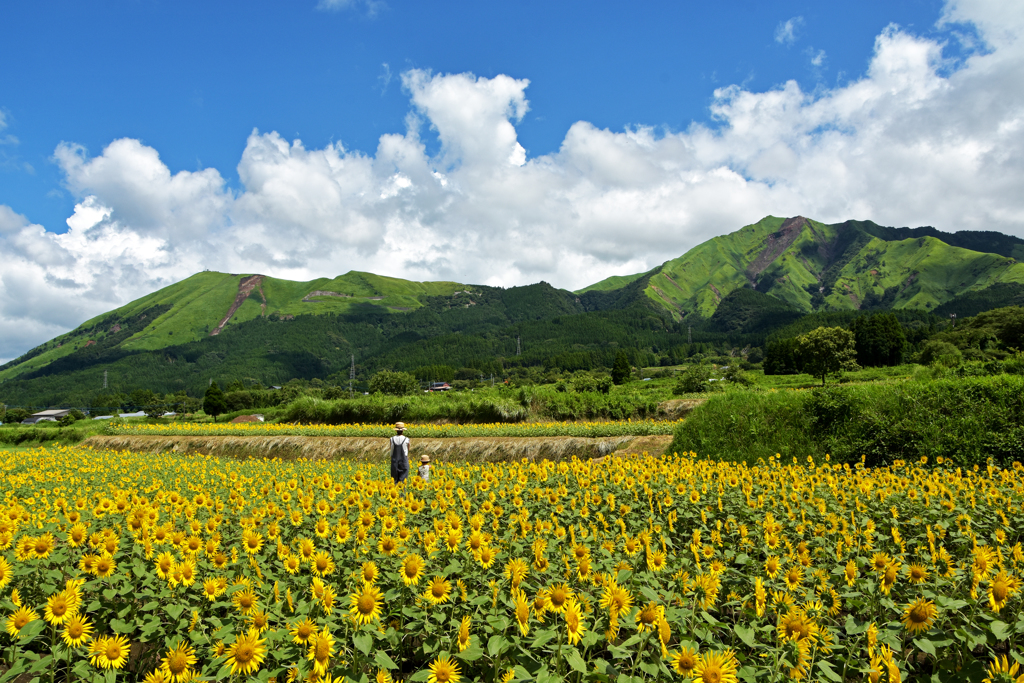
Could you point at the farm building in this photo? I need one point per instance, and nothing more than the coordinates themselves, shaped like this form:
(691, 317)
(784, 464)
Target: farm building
(45, 416)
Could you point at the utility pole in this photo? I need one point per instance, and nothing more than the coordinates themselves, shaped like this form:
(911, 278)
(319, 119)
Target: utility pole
(351, 375)
(104, 379)
(689, 334)
(519, 348)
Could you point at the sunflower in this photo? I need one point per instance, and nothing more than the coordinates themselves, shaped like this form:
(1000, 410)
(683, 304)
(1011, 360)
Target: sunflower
(464, 639)
(321, 648)
(486, 556)
(516, 571)
(771, 567)
(796, 625)
(246, 654)
(918, 573)
(42, 546)
(879, 561)
(109, 652)
(1001, 589)
(438, 591)
(59, 607)
(1000, 669)
(522, 609)
(684, 661)
(715, 667)
(656, 560)
(252, 541)
(798, 654)
(19, 619)
(850, 572)
(616, 599)
(156, 676)
(245, 601)
(104, 566)
(292, 564)
(889, 576)
(760, 597)
(258, 621)
(364, 606)
(919, 615)
(178, 662)
(327, 599)
(306, 549)
(77, 630)
(647, 617)
(412, 569)
(370, 572)
(301, 631)
(444, 670)
(212, 589)
(322, 563)
(574, 620)
(387, 545)
(794, 577)
(558, 596)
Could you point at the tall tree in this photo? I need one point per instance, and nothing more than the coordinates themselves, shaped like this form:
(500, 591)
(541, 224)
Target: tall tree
(827, 351)
(621, 369)
(879, 340)
(213, 402)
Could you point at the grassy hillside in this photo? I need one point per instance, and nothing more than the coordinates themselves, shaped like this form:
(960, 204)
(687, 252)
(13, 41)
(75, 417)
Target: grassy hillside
(811, 266)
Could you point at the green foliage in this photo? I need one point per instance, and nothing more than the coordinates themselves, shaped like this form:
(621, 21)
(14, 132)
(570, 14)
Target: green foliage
(15, 415)
(966, 420)
(879, 340)
(213, 401)
(621, 369)
(694, 380)
(747, 310)
(941, 352)
(393, 383)
(437, 373)
(827, 351)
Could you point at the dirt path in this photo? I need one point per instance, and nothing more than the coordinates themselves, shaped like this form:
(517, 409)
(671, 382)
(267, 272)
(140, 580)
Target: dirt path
(467, 449)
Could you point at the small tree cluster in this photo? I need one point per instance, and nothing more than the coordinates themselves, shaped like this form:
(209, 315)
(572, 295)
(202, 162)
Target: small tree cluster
(393, 383)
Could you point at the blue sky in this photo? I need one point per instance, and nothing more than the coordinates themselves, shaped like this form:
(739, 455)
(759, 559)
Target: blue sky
(481, 142)
(193, 79)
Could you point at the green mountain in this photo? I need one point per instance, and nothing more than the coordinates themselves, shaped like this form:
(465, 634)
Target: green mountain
(729, 292)
(856, 265)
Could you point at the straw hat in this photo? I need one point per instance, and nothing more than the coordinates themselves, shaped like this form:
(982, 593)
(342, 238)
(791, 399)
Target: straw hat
(424, 458)
(399, 425)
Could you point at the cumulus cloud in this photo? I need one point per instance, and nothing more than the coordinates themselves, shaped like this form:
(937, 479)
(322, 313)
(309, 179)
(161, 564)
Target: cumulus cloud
(912, 142)
(785, 32)
(370, 7)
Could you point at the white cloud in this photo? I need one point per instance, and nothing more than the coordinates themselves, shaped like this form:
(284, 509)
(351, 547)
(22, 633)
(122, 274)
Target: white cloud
(910, 143)
(817, 57)
(370, 7)
(786, 31)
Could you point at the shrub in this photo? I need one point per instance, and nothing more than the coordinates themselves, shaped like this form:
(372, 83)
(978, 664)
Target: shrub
(393, 383)
(694, 380)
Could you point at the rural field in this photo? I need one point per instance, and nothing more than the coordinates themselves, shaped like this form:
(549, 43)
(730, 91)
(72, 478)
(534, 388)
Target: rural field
(126, 566)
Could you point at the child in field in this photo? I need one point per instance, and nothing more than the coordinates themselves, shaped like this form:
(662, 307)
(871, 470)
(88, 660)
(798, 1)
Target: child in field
(424, 469)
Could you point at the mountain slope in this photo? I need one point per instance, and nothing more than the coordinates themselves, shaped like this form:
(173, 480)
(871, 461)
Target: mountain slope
(845, 266)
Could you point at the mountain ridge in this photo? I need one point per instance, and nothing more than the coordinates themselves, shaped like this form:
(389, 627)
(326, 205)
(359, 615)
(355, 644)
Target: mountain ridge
(767, 273)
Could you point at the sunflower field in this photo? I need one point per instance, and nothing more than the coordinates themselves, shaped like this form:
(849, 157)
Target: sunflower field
(426, 430)
(125, 566)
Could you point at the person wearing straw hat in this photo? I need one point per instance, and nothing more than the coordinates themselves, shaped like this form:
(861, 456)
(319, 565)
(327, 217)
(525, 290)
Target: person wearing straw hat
(399, 453)
(424, 469)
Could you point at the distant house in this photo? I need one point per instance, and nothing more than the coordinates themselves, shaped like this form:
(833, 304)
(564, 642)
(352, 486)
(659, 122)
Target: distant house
(46, 416)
